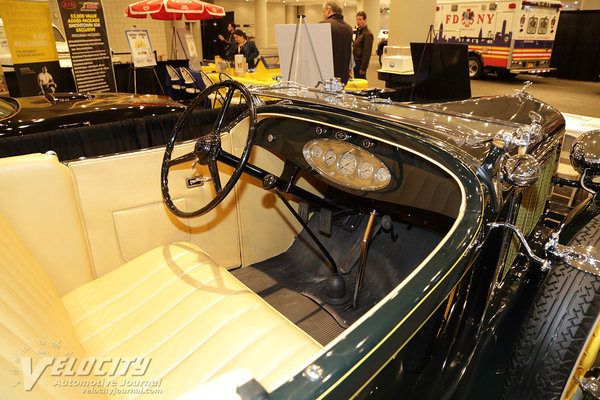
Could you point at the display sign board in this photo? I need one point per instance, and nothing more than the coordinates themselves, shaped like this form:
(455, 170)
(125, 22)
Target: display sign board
(85, 29)
(303, 68)
(191, 45)
(141, 49)
(441, 71)
(32, 47)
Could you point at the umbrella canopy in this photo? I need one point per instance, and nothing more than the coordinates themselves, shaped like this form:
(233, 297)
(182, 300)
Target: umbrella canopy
(174, 9)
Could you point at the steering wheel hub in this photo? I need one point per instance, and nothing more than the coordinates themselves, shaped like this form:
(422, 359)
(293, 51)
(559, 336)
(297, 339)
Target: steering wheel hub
(207, 148)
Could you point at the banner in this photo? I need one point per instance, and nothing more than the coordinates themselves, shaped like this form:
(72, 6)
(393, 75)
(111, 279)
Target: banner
(32, 46)
(85, 29)
(141, 49)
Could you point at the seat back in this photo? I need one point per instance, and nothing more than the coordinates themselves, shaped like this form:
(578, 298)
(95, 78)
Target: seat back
(173, 74)
(191, 84)
(35, 329)
(40, 202)
(206, 79)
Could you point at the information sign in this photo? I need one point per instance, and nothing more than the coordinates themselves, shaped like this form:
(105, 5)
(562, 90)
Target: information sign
(141, 49)
(85, 29)
(32, 46)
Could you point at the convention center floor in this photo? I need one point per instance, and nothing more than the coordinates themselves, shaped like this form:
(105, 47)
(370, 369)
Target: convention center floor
(573, 97)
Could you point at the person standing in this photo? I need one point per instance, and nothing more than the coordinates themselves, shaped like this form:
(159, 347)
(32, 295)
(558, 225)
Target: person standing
(362, 46)
(245, 47)
(229, 43)
(341, 39)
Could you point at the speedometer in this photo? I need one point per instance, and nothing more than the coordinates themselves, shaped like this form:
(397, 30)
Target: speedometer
(347, 164)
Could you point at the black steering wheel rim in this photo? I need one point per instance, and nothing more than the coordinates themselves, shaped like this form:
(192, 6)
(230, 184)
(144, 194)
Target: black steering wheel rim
(208, 147)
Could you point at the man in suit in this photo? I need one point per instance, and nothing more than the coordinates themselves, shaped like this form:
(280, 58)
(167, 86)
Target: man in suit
(341, 39)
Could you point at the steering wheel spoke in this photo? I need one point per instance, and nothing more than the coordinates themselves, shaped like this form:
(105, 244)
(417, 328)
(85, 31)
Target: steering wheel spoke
(181, 159)
(224, 108)
(214, 174)
(208, 147)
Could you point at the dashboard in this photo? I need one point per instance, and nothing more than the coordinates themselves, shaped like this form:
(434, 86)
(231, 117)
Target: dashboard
(340, 157)
(361, 171)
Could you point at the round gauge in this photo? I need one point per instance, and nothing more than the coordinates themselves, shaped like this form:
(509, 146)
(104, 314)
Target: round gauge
(365, 170)
(382, 175)
(316, 152)
(329, 158)
(347, 163)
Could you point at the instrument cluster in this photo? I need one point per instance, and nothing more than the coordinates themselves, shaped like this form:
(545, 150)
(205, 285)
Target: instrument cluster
(346, 164)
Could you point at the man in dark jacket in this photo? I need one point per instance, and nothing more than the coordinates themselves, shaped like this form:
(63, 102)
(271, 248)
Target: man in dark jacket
(228, 43)
(362, 46)
(341, 39)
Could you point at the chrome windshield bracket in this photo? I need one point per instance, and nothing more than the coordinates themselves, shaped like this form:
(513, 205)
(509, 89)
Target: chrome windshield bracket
(544, 264)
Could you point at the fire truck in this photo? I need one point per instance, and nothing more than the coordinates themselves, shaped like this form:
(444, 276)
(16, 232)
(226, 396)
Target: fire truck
(507, 36)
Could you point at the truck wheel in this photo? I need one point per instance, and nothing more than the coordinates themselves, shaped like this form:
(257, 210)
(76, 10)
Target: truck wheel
(560, 339)
(475, 67)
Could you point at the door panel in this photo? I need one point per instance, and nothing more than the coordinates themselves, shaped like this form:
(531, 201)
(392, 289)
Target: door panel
(123, 213)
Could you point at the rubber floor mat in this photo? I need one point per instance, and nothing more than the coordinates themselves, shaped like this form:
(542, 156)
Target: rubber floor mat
(293, 282)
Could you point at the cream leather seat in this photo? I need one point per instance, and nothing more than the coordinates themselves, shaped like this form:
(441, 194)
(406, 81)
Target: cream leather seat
(173, 305)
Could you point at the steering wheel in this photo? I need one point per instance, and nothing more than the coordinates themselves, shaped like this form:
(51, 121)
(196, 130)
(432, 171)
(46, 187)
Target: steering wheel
(207, 150)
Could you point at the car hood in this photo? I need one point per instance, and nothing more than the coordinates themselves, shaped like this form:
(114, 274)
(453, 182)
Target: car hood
(469, 125)
(38, 113)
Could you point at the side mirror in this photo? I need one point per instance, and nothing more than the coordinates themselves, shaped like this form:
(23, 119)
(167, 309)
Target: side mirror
(585, 153)
(520, 170)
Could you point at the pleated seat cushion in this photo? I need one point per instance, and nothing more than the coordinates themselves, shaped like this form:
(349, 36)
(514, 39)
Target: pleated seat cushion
(34, 327)
(190, 317)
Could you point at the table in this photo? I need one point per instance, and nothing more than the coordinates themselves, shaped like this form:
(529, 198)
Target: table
(260, 79)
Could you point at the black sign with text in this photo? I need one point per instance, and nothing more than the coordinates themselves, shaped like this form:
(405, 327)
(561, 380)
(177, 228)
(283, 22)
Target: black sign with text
(85, 29)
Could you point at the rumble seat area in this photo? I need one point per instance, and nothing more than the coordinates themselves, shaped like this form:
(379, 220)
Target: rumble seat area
(174, 306)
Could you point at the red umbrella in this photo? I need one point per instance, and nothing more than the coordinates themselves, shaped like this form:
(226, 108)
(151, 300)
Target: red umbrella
(174, 9)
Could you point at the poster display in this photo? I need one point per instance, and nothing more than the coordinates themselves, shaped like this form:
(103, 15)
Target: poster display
(32, 47)
(141, 49)
(191, 45)
(85, 29)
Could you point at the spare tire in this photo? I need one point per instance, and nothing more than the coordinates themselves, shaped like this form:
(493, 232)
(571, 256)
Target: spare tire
(560, 338)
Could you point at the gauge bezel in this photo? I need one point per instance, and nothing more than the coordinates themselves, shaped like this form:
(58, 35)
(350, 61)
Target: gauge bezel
(333, 171)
